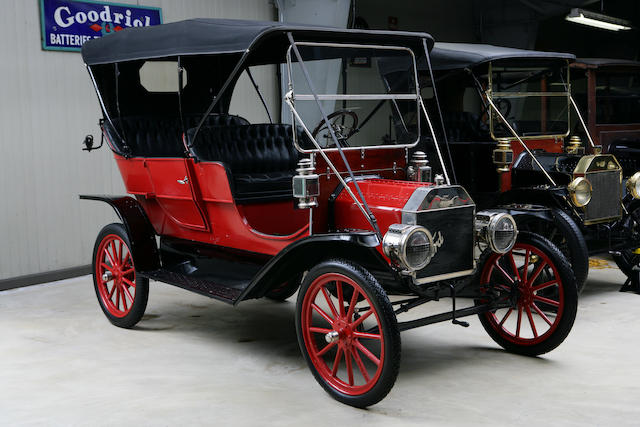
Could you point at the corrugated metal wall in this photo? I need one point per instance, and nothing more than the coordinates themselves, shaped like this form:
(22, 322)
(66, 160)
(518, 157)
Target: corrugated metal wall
(47, 106)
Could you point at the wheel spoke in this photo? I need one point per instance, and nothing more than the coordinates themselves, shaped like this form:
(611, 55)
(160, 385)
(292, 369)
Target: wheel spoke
(504, 319)
(124, 300)
(129, 282)
(519, 321)
(322, 313)
(113, 288)
(128, 293)
(320, 330)
(367, 353)
(513, 265)
(127, 257)
(106, 250)
(366, 335)
(541, 314)
(531, 322)
(526, 265)
(340, 299)
(361, 319)
(336, 362)
(129, 271)
(352, 304)
(326, 348)
(120, 250)
(118, 297)
(361, 366)
(332, 307)
(501, 270)
(114, 252)
(546, 300)
(545, 285)
(347, 359)
(107, 266)
(536, 273)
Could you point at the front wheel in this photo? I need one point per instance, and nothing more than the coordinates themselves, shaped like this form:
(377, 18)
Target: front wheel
(122, 294)
(348, 333)
(535, 282)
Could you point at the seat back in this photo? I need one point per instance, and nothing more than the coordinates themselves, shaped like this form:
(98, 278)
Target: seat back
(260, 158)
(149, 136)
(248, 148)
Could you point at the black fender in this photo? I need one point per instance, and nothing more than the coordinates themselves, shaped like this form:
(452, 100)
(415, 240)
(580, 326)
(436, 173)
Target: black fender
(303, 254)
(551, 197)
(142, 236)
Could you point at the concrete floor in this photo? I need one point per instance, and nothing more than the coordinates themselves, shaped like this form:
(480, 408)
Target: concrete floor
(197, 361)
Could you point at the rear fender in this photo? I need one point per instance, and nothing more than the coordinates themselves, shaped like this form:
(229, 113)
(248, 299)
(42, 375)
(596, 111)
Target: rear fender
(302, 255)
(141, 234)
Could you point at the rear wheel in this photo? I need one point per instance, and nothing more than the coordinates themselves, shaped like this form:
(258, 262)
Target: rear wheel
(537, 283)
(122, 294)
(348, 333)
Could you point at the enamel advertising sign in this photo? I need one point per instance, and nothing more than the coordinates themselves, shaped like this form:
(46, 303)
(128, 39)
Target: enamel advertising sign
(67, 24)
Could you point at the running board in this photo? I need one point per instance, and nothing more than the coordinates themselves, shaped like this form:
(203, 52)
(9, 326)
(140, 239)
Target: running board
(229, 292)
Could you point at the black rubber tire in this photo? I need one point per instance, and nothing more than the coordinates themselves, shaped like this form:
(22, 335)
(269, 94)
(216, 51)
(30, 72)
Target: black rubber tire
(566, 236)
(389, 329)
(569, 308)
(142, 284)
(627, 260)
(285, 290)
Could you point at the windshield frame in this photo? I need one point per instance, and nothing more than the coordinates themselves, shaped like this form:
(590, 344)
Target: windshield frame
(336, 97)
(489, 93)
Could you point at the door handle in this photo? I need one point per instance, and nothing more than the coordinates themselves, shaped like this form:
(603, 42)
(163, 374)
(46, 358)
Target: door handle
(183, 181)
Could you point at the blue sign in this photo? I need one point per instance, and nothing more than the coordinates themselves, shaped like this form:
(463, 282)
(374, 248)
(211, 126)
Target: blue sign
(67, 24)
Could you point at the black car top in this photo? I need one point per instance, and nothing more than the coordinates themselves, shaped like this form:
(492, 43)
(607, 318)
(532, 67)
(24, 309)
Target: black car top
(224, 36)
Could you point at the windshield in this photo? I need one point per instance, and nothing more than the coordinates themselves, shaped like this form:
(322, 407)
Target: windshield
(534, 100)
(617, 97)
(360, 104)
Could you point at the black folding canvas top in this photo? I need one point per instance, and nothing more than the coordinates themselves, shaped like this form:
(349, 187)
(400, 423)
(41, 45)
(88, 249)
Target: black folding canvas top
(221, 36)
(450, 56)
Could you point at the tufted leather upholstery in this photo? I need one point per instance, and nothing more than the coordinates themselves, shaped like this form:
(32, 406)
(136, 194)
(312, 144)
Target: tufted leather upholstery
(261, 158)
(148, 136)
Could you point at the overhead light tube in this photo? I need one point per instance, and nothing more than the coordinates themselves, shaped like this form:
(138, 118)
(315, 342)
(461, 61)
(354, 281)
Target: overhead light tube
(598, 20)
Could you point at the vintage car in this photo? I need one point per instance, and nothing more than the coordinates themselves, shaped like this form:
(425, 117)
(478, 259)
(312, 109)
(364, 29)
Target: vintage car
(506, 115)
(608, 92)
(322, 199)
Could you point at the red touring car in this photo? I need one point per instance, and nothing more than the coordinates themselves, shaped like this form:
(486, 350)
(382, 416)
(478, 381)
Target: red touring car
(327, 198)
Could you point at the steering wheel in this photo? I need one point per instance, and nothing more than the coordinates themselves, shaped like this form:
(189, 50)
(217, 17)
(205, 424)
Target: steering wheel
(343, 132)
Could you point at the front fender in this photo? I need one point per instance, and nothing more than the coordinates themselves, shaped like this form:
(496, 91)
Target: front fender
(141, 234)
(303, 254)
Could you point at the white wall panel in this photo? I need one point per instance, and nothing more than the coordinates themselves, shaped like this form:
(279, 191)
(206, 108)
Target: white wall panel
(47, 106)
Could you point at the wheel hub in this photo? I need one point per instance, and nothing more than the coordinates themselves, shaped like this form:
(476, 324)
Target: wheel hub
(106, 276)
(332, 336)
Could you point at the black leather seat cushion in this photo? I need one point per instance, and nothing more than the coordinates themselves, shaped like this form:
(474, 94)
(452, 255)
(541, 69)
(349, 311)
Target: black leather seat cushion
(148, 136)
(261, 158)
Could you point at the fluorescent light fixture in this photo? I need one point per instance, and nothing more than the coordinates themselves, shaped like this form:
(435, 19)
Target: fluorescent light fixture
(598, 20)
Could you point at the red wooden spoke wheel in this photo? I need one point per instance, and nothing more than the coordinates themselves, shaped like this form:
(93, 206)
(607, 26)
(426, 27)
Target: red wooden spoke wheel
(348, 333)
(115, 275)
(122, 296)
(538, 282)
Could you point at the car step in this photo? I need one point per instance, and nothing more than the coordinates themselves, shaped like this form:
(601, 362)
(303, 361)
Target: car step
(228, 292)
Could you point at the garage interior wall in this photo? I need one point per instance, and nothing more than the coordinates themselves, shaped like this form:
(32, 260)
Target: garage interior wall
(47, 106)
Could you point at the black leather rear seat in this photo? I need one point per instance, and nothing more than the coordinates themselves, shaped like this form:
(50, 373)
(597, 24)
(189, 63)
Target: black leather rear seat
(148, 136)
(261, 158)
